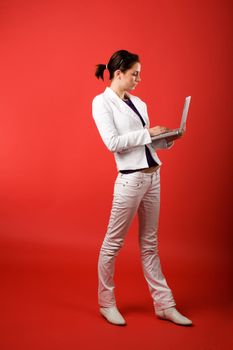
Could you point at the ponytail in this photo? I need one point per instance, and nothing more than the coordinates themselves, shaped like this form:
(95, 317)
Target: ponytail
(100, 68)
(121, 59)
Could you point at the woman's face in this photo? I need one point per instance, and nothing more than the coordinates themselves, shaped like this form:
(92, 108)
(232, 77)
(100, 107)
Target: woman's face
(129, 79)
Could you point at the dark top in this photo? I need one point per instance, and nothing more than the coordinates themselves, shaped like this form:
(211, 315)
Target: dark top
(151, 162)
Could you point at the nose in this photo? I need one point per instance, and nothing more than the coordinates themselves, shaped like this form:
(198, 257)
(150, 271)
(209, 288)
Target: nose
(138, 78)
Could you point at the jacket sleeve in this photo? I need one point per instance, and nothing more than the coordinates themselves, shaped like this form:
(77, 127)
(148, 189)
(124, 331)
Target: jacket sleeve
(161, 144)
(104, 120)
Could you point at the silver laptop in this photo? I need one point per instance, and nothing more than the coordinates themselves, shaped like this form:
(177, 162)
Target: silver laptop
(182, 127)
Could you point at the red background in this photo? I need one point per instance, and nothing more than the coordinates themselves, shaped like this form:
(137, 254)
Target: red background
(56, 176)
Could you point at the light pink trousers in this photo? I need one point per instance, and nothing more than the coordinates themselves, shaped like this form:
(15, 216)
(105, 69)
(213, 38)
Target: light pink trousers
(134, 193)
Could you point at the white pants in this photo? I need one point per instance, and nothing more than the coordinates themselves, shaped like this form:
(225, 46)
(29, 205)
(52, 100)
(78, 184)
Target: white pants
(135, 192)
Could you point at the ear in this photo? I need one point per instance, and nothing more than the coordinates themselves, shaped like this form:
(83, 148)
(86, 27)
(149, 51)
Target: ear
(117, 74)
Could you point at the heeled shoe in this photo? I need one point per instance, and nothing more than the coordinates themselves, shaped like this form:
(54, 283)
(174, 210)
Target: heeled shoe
(112, 315)
(171, 314)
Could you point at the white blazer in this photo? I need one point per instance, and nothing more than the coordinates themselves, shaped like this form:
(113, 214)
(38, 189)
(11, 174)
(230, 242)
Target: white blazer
(122, 131)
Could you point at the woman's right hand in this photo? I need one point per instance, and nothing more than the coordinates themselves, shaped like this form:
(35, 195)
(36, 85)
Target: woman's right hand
(157, 130)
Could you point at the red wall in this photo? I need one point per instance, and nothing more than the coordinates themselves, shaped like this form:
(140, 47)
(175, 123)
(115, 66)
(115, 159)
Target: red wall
(56, 176)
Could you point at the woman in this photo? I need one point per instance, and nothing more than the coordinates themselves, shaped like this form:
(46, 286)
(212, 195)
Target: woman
(123, 124)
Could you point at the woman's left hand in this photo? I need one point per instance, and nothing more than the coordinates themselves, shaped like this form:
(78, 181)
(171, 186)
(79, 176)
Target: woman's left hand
(176, 137)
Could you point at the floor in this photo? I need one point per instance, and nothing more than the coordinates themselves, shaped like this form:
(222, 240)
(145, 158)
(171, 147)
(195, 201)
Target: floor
(48, 301)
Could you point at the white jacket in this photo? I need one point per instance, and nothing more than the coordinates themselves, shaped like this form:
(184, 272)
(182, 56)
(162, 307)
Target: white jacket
(122, 131)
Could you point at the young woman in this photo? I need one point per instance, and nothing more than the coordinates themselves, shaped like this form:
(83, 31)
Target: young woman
(123, 124)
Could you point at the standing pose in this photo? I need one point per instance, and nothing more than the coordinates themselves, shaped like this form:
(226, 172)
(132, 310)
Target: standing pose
(123, 124)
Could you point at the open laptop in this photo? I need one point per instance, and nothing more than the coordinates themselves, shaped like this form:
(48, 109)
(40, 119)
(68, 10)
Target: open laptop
(176, 132)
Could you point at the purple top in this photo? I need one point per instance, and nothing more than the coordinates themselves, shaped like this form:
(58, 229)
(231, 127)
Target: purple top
(151, 162)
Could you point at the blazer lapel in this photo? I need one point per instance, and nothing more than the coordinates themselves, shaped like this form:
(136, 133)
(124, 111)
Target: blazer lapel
(138, 106)
(124, 108)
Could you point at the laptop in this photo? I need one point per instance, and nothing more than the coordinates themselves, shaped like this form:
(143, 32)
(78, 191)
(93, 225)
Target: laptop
(176, 132)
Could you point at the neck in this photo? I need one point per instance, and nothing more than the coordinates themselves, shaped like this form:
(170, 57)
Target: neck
(120, 92)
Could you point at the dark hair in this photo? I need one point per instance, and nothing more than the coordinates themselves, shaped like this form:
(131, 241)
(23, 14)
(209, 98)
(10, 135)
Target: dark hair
(121, 59)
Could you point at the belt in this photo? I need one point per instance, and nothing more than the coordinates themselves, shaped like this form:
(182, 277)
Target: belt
(151, 169)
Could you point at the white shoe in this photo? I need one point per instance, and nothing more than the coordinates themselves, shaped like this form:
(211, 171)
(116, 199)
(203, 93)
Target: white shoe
(173, 315)
(112, 315)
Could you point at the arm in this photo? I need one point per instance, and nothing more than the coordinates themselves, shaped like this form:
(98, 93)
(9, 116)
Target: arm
(176, 137)
(162, 144)
(103, 117)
